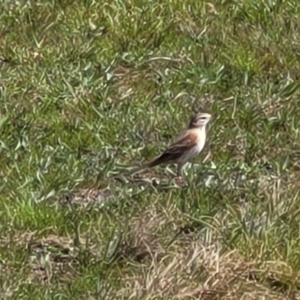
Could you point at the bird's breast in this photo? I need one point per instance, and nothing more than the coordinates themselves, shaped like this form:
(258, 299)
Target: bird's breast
(200, 143)
(194, 151)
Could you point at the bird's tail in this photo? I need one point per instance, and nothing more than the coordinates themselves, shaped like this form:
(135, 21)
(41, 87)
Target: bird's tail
(157, 161)
(136, 169)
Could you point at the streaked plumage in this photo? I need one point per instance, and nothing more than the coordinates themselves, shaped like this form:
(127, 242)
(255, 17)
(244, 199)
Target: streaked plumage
(185, 147)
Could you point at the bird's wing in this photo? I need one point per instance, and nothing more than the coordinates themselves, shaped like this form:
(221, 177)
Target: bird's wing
(176, 149)
(183, 143)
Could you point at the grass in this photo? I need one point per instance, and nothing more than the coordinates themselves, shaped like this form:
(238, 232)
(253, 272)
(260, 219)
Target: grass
(89, 89)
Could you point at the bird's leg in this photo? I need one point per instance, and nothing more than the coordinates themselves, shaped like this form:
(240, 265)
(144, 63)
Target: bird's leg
(179, 172)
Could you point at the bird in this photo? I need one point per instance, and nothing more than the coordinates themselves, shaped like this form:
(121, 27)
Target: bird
(185, 147)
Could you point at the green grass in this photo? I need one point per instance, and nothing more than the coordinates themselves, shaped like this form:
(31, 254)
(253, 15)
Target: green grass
(90, 88)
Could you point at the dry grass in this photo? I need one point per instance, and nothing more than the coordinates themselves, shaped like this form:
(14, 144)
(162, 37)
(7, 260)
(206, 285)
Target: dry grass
(89, 89)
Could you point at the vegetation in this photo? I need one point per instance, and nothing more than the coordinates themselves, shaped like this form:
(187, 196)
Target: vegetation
(89, 89)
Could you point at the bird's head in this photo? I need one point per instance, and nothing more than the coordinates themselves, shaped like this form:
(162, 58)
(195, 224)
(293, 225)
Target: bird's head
(200, 120)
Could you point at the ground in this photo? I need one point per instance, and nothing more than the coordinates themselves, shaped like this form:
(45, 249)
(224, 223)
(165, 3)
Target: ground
(90, 89)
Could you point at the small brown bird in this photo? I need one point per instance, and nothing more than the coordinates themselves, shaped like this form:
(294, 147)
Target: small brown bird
(185, 147)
